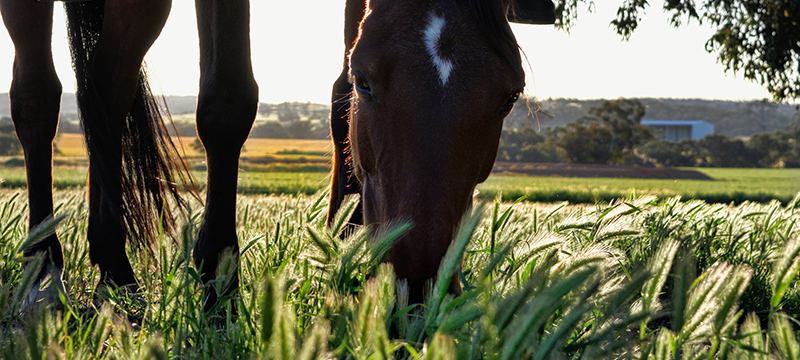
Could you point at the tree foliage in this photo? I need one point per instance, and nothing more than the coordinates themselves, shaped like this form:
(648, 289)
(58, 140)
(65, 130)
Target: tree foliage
(270, 130)
(608, 135)
(584, 142)
(758, 38)
(525, 145)
(9, 145)
(777, 149)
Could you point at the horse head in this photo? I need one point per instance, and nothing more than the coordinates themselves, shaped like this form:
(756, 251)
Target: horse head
(432, 82)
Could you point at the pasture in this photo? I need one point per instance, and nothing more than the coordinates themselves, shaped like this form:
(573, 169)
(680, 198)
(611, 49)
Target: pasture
(289, 166)
(729, 186)
(636, 279)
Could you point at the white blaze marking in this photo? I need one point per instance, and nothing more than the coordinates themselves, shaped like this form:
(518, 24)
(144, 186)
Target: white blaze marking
(432, 35)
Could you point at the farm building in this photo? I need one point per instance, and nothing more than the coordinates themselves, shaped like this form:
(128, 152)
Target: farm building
(677, 130)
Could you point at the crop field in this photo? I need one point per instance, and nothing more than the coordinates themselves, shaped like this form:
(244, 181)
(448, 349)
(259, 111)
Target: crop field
(634, 279)
(72, 145)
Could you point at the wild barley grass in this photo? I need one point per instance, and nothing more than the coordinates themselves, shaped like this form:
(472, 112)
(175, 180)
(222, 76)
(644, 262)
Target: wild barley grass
(638, 278)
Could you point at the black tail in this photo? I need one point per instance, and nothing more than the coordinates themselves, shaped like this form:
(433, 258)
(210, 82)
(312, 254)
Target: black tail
(150, 160)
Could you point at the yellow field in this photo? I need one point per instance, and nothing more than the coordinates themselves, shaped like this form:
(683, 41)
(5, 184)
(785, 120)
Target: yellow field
(264, 147)
(72, 145)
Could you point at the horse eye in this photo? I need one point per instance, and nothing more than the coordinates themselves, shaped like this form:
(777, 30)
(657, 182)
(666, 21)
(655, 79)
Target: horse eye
(362, 86)
(509, 105)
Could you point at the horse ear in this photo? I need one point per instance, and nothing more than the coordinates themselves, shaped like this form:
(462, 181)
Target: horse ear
(538, 12)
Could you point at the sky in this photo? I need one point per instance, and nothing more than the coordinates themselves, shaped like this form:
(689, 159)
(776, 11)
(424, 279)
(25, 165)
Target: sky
(297, 52)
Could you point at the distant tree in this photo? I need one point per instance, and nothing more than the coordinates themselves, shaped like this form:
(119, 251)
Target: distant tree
(269, 130)
(9, 144)
(525, 145)
(287, 112)
(777, 149)
(512, 141)
(288, 116)
(56, 149)
(795, 125)
(762, 111)
(623, 117)
(665, 153)
(67, 126)
(183, 128)
(322, 130)
(197, 145)
(722, 151)
(584, 142)
(758, 38)
(608, 135)
(301, 129)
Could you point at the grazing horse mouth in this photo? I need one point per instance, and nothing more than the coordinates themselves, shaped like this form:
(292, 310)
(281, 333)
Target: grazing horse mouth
(425, 120)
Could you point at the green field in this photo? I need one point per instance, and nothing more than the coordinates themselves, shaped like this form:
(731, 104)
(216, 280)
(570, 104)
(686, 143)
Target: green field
(633, 280)
(730, 185)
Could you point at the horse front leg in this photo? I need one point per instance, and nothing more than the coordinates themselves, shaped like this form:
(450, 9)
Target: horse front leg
(226, 109)
(35, 96)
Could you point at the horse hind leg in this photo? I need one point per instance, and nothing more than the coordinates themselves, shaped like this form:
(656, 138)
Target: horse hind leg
(106, 95)
(35, 96)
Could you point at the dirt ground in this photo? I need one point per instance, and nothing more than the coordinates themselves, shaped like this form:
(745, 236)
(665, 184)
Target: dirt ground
(590, 170)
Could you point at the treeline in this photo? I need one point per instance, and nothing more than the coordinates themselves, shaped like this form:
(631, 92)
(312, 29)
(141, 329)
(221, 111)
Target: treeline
(730, 118)
(776, 149)
(298, 129)
(612, 134)
(289, 120)
(9, 145)
(269, 129)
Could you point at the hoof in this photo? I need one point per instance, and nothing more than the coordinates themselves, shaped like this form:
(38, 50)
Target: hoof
(124, 299)
(46, 291)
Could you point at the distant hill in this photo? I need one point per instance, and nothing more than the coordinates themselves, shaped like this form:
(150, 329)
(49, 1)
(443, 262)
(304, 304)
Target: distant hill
(732, 118)
(69, 108)
(180, 105)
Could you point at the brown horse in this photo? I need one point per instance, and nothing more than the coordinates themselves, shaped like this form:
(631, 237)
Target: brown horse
(132, 174)
(431, 82)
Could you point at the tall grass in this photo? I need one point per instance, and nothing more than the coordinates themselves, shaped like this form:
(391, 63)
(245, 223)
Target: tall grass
(634, 279)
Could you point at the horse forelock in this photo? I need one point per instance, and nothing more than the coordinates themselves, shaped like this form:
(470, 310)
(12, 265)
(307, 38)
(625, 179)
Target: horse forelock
(491, 18)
